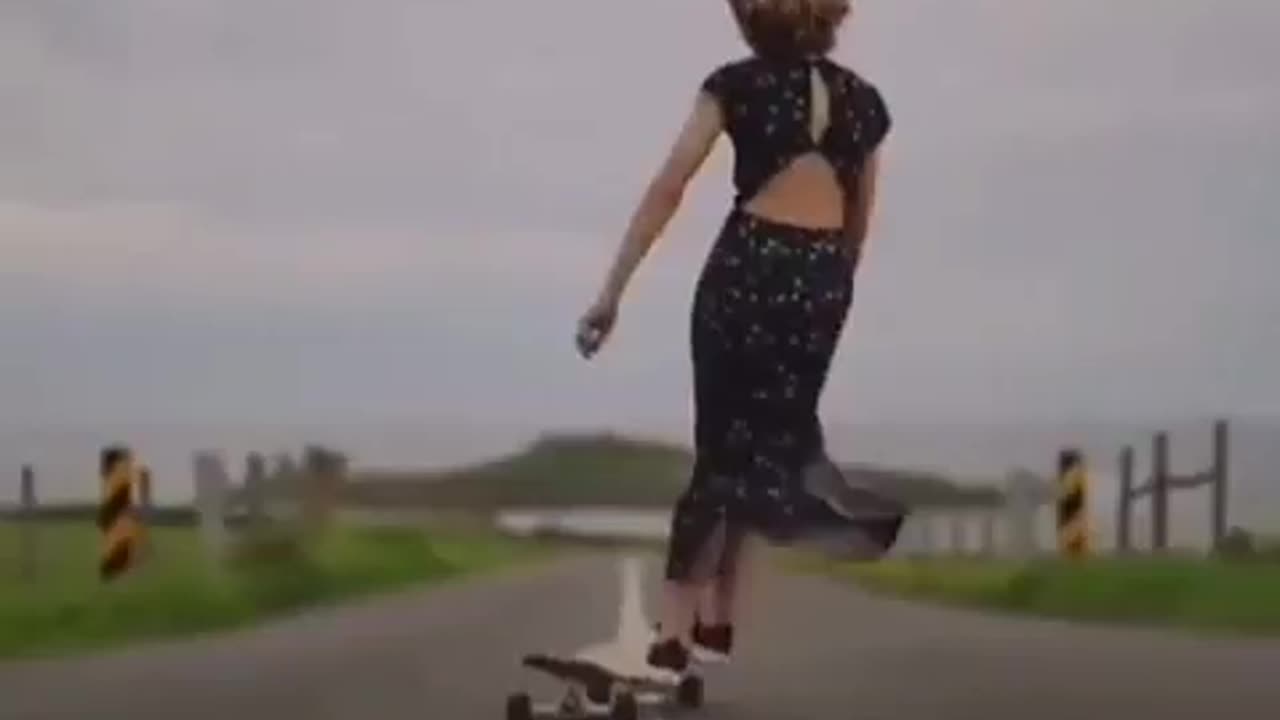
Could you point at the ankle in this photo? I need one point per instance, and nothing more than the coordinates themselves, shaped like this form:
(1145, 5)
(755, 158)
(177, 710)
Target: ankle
(670, 654)
(712, 621)
(718, 637)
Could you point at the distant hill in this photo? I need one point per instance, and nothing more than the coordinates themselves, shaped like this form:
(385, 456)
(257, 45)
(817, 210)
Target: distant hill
(576, 470)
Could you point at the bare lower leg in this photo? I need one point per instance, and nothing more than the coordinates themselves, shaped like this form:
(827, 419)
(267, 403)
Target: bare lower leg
(681, 598)
(679, 605)
(720, 603)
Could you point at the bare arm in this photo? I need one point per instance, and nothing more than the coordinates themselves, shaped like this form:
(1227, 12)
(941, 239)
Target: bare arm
(663, 195)
(861, 205)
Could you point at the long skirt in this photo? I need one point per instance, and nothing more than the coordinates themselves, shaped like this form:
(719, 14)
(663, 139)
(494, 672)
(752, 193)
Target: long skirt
(768, 312)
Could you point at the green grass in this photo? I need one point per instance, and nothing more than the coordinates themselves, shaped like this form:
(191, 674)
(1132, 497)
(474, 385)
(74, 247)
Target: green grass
(177, 592)
(1201, 594)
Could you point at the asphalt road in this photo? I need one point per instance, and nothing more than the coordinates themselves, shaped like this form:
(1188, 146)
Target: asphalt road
(816, 650)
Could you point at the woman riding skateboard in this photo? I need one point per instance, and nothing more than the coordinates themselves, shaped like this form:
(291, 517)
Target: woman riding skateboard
(768, 311)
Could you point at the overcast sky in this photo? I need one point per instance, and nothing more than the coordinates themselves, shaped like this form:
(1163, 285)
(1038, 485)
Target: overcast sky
(305, 209)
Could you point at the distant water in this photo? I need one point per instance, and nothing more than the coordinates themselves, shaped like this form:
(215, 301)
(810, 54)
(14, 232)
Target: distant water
(632, 524)
(606, 522)
(66, 458)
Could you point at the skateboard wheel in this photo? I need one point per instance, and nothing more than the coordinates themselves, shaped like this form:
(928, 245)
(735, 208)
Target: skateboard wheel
(689, 692)
(598, 692)
(625, 707)
(519, 707)
(572, 703)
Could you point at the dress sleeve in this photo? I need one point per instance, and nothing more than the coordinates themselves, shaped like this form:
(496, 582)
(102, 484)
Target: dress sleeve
(878, 119)
(717, 85)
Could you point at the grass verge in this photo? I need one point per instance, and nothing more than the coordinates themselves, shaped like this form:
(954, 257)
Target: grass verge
(1192, 593)
(177, 592)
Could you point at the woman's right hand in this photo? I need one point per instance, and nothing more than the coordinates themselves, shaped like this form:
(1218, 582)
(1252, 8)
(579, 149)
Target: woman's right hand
(594, 327)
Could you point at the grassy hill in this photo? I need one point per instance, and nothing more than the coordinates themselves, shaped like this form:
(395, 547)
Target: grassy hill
(605, 469)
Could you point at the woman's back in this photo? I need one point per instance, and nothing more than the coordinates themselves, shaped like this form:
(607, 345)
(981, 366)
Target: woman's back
(801, 130)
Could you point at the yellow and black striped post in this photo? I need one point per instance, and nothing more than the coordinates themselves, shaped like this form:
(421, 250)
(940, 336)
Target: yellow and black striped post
(116, 517)
(1073, 505)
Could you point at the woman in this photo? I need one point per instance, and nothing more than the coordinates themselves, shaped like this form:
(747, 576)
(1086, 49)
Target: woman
(768, 311)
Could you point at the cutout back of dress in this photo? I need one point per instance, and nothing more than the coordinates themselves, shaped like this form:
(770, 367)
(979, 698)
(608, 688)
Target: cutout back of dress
(805, 192)
(801, 130)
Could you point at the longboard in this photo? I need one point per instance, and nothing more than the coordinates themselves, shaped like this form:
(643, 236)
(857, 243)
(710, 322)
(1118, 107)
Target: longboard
(595, 691)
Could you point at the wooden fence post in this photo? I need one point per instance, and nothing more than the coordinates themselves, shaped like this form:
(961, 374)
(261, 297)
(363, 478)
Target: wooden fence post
(1160, 492)
(925, 521)
(957, 534)
(1021, 505)
(988, 534)
(144, 513)
(28, 526)
(323, 474)
(211, 494)
(1220, 473)
(255, 478)
(1124, 522)
(144, 490)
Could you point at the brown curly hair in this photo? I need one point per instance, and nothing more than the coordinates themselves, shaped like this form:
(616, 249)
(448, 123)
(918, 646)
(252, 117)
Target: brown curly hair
(789, 28)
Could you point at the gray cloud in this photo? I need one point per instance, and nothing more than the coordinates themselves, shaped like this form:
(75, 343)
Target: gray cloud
(292, 208)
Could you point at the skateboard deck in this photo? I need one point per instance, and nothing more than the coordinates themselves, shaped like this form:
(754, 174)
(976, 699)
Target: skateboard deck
(596, 689)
